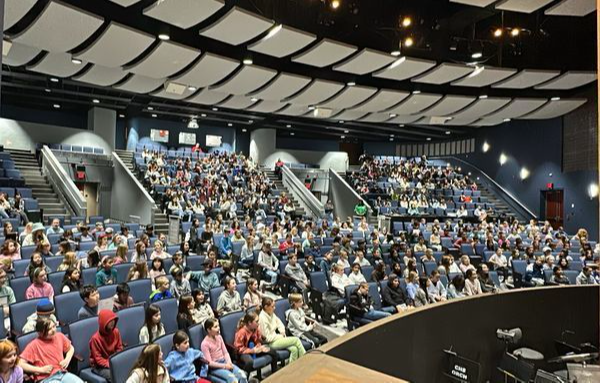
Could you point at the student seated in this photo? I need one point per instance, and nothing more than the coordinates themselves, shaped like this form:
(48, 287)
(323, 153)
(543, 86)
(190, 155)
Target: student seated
(274, 334)
(153, 327)
(472, 284)
(6, 291)
(298, 279)
(122, 300)
(558, 276)
(162, 290)
(361, 304)
(206, 279)
(248, 343)
(180, 287)
(149, 367)
(436, 289)
(300, 325)
(10, 370)
(356, 276)
(105, 343)
(229, 300)
(106, 275)
(215, 352)
(182, 359)
(71, 281)
(185, 317)
(39, 286)
(253, 296)
(202, 310)
(394, 296)
(90, 296)
(48, 356)
(43, 309)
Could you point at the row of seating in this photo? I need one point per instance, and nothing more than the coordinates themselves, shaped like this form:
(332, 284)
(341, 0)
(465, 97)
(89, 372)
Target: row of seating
(76, 148)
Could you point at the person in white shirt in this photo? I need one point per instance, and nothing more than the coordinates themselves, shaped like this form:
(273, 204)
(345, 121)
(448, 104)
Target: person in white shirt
(499, 262)
(356, 276)
(472, 285)
(585, 277)
(339, 280)
(273, 331)
(360, 259)
(436, 289)
(343, 260)
(269, 263)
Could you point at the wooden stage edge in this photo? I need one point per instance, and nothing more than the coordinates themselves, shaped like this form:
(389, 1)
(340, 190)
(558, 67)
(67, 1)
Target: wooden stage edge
(316, 367)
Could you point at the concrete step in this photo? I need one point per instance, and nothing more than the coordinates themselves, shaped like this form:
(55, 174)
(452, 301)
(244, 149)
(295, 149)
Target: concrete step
(48, 200)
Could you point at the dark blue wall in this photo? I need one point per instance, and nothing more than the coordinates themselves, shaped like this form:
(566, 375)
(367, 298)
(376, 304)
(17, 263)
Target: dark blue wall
(320, 145)
(59, 117)
(380, 148)
(537, 145)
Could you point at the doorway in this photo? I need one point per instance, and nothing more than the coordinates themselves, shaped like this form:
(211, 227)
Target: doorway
(553, 207)
(90, 193)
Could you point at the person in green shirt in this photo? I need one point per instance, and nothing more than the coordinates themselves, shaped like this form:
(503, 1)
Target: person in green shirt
(360, 209)
(6, 291)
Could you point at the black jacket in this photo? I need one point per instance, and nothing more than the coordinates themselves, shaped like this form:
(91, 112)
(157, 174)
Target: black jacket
(360, 304)
(394, 297)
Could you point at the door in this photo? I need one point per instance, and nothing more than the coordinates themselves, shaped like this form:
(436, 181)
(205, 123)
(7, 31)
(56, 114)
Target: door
(90, 193)
(553, 207)
(354, 151)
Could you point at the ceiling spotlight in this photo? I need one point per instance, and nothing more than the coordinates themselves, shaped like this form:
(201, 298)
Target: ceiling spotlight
(150, 108)
(486, 147)
(515, 32)
(56, 106)
(192, 88)
(391, 135)
(121, 115)
(342, 137)
(47, 90)
(593, 190)
(311, 107)
(346, 131)
(401, 125)
(503, 159)
(247, 61)
(483, 97)
(428, 138)
(555, 99)
(335, 4)
(154, 115)
(251, 121)
(288, 126)
(203, 115)
(507, 120)
(53, 79)
(244, 130)
(164, 37)
(351, 83)
(341, 121)
(395, 53)
(254, 99)
(215, 109)
(406, 22)
(498, 32)
(229, 124)
(416, 92)
(76, 61)
(448, 132)
(96, 101)
(391, 139)
(392, 115)
(524, 173)
(408, 42)
(477, 55)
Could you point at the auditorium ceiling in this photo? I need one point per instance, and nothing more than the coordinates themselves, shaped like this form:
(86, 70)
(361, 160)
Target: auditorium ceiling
(365, 70)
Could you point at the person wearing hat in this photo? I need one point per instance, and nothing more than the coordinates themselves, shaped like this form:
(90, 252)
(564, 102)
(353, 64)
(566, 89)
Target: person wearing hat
(105, 343)
(44, 309)
(37, 235)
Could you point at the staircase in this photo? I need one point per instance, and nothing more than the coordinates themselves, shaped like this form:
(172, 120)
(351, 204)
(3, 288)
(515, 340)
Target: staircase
(161, 221)
(279, 186)
(499, 205)
(41, 188)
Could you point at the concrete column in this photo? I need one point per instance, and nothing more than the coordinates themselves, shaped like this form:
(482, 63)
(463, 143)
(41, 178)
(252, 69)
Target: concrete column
(262, 144)
(103, 122)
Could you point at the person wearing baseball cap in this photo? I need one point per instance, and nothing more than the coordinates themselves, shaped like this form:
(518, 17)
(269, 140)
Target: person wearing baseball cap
(36, 236)
(44, 308)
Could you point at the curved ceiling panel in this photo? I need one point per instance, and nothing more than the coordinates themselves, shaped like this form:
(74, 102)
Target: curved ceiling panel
(238, 102)
(101, 75)
(376, 117)
(384, 99)
(116, 46)
(366, 61)
(282, 87)
(20, 54)
(325, 53)
(248, 79)
(183, 13)
(318, 91)
(350, 115)
(166, 59)
(140, 84)
(125, 3)
(480, 108)
(444, 73)
(59, 28)
(522, 6)
(460, 121)
(448, 105)
(485, 76)
(14, 10)
(350, 97)
(294, 110)
(526, 79)
(209, 70)
(237, 27)
(404, 119)
(57, 64)
(174, 91)
(405, 68)
(267, 106)
(416, 103)
(207, 97)
(517, 108)
(475, 3)
(555, 109)
(569, 80)
(282, 41)
(578, 8)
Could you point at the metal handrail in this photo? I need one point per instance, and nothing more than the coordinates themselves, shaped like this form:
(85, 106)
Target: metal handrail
(65, 186)
(358, 196)
(134, 178)
(304, 195)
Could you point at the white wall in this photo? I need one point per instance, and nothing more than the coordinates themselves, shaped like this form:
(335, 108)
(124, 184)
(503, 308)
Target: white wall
(264, 152)
(25, 135)
(104, 123)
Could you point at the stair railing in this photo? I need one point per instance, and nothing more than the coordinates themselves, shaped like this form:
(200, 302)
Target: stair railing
(344, 197)
(64, 186)
(128, 195)
(306, 199)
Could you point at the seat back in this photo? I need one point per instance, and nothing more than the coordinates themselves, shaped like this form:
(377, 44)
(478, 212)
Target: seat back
(165, 342)
(318, 281)
(55, 279)
(122, 271)
(53, 262)
(572, 276)
(281, 306)
(140, 290)
(197, 333)
(67, 306)
(122, 362)
(88, 276)
(19, 312)
(21, 265)
(107, 291)
(214, 295)
(168, 308)
(25, 339)
(374, 293)
(81, 332)
(130, 322)
(228, 324)
(19, 286)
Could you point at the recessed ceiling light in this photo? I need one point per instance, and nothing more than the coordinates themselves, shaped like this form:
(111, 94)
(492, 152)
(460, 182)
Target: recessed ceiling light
(428, 138)
(96, 101)
(515, 32)
(341, 121)
(351, 83)
(47, 90)
(215, 109)
(483, 97)
(498, 32)
(229, 124)
(448, 132)
(203, 115)
(391, 135)
(477, 55)
(507, 120)
(401, 125)
(154, 115)
(292, 134)
(288, 126)
(392, 115)
(391, 138)
(342, 137)
(555, 99)
(346, 131)
(54, 79)
(395, 53)
(56, 106)
(416, 92)
(311, 107)
(150, 108)
(247, 61)
(406, 22)
(192, 88)
(335, 4)
(254, 99)
(244, 130)
(408, 42)
(164, 37)
(250, 121)
(76, 61)
(122, 115)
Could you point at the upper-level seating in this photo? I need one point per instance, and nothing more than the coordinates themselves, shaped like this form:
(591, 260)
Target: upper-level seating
(10, 176)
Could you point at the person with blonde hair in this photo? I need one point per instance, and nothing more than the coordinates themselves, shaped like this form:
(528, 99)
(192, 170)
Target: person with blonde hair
(69, 260)
(10, 371)
(149, 367)
(273, 331)
(138, 271)
(159, 251)
(121, 255)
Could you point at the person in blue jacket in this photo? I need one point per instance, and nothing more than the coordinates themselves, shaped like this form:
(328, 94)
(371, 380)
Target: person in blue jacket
(180, 361)
(225, 247)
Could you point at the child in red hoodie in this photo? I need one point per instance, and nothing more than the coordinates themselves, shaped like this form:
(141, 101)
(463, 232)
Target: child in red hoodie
(104, 343)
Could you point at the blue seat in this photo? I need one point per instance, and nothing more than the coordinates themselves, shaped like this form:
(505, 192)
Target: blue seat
(165, 342)
(519, 269)
(367, 271)
(67, 306)
(55, 279)
(96, 218)
(53, 262)
(24, 339)
(19, 312)
(26, 252)
(86, 246)
(140, 290)
(122, 271)
(80, 333)
(89, 276)
(318, 281)
(197, 335)
(214, 295)
(168, 308)
(429, 267)
(130, 322)
(575, 265)
(194, 262)
(2, 328)
(19, 286)
(122, 362)
(572, 276)
(107, 291)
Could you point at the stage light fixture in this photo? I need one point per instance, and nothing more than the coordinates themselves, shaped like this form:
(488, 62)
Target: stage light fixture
(121, 115)
(292, 134)
(593, 190)
(428, 139)
(56, 106)
(555, 99)
(192, 88)
(164, 37)
(498, 32)
(53, 79)
(247, 61)
(395, 53)
(203, 115)
(503, 159)
(215, 109)
(76, 61)
(346, 131)
(524, 173)
(229, 124)
(351, 83)
(154, 115)
(515, 32)
(448, 132)
(244, 130)
(96, 101)
(150, 108)
(335, 4)
(485, 147)
(288, 126)
(483, 97)
(406, 22)
(47, 90)
(342, 137)
(477, 55)
(408, 42)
